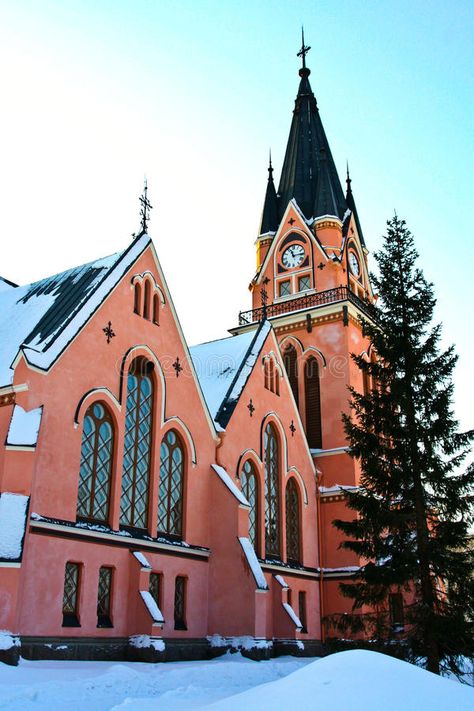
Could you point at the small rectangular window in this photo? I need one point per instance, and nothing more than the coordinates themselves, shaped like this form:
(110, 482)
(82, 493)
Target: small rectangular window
(304, 283)
(180, 603)
(104, 597)
(302, 610)
(397, 617)
(284, 288)
(155, 587)
(71, 595)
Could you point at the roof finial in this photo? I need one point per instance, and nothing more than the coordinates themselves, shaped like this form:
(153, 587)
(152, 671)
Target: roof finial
(270, 167)
(303, 51)
(348, 178)
(145, 208)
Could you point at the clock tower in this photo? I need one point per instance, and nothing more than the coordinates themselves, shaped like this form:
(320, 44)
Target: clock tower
(312, 284)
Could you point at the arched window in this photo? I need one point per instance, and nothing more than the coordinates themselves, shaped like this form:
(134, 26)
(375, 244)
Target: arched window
(290, 361)
(170, 503)
(137, 299)
(96, 464)
(156, 309)
(292, 508)
(137, 445)
(272, 499)
(248, 480)
(313, 404)
(146, 305)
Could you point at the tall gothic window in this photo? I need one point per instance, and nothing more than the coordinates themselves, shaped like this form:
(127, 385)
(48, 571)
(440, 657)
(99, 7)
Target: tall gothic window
(292, 508)
(137, 445)
(170, 505)
(104, 597)
(313, 404)
(96, 464)
(272, 499)
(180, 603)
(248, 480)
(290, 361)
(72, 577)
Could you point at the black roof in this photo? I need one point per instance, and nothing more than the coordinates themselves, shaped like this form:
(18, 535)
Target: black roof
(309, 173)
(352, 207)
(270, 206)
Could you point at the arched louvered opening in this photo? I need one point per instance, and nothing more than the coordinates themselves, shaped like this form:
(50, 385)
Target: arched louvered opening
(292, 509)
(365, 383)
(96, 464)
(156, 309)
(170, 503)
(290, 360)
(266, 370)
(313, 404)
(272, 498)
(137, 445)
(137, 304)
(147, 299)
(248, 480)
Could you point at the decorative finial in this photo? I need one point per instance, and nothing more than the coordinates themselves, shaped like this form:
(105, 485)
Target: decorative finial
(348, 178)
(270, 167)
(303, 51)
(145, 208)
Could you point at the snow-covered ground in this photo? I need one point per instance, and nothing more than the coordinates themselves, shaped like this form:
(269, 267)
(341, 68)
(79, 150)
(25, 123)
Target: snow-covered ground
(349, 681)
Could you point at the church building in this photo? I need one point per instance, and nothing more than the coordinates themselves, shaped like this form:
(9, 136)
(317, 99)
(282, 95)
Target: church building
(161, 502)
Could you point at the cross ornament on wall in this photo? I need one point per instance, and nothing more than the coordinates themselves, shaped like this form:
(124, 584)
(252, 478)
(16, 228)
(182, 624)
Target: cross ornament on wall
(109, 333)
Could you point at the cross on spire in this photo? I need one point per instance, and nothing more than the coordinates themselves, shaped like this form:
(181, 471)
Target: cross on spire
(304, 49)
(145, 208)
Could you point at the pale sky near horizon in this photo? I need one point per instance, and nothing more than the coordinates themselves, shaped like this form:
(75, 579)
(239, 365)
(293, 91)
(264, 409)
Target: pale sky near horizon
(193, 93)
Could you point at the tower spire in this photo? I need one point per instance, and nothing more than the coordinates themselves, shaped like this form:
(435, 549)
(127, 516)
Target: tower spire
(270, 206)
(309, 173)
(352, 206)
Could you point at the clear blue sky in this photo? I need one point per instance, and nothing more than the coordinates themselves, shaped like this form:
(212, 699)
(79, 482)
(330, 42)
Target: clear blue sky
(193, 93)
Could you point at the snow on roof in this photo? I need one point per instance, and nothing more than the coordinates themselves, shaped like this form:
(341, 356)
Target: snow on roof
(5, 285)
(12, 525)
(152, 607)
(254, 565)
(24, 426)
(225, 478)
(141, 559)
(43, 317)
(224, 366)
(281, 580)
(293, 615)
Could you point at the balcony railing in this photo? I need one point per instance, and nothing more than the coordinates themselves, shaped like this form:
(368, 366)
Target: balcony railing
(306, 301)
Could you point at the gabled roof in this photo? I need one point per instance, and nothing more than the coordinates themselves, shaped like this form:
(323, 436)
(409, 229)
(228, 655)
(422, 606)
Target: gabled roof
(42, 318)
(223, 368)
(309, 173)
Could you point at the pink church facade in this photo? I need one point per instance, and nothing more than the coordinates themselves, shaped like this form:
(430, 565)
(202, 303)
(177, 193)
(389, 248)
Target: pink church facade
(163, 502)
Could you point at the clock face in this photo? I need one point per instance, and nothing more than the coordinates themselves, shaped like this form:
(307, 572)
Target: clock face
(354, 264)
(293, 256)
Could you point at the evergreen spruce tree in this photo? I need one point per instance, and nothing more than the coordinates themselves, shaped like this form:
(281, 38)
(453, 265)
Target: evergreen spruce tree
(414, 505)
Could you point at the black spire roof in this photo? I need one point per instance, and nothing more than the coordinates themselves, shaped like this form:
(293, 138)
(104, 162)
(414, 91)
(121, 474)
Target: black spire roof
(270, 206)
(352, 207)
(309, 174)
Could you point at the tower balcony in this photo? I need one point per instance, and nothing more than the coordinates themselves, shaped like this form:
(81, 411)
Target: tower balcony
(303, 302)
